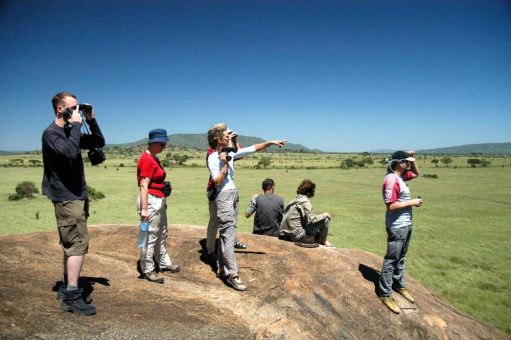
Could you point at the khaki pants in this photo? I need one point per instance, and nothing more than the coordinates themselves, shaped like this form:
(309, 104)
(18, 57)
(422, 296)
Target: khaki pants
(157, 234)
(72, 226)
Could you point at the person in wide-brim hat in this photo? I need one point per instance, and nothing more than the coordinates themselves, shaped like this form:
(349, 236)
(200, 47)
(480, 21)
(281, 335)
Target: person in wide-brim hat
(152, 207)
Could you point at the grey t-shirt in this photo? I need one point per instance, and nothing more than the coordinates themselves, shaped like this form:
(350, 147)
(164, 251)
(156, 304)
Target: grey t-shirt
(268, 213)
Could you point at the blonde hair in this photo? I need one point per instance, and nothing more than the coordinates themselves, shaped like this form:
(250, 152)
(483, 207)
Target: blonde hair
(215, 133)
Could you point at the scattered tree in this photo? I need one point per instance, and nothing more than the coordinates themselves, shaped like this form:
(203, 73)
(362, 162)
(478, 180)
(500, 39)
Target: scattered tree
(15, 162)
(24, 189)
(347, 163)
(180, 159)
(364, 162)
(263, 162)
(473, 162)
(435, 161)
(446, 160)
(34, 162)
(485, 163)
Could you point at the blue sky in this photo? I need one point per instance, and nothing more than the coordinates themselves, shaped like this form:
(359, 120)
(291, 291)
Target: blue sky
(331, 75)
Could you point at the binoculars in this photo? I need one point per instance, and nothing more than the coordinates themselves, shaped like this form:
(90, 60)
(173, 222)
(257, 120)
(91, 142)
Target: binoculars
(84, 109)
(227, 150)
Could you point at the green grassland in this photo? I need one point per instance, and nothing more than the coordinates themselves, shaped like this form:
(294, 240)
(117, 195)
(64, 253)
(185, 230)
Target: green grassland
(461, 238)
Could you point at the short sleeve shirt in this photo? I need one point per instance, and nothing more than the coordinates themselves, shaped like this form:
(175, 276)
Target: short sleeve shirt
(395, 189)
(150, 167)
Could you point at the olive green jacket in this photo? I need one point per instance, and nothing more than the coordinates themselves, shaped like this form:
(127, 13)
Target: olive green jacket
(297, 215)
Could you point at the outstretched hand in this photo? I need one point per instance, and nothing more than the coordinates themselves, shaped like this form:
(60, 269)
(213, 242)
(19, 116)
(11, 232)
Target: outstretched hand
(279, 143)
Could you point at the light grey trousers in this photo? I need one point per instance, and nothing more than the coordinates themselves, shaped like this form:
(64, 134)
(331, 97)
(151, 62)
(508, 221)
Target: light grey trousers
(393, 269)
(156, 235)
(227, 204)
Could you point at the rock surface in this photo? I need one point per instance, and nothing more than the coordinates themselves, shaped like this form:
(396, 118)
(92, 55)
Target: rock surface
(294, 293)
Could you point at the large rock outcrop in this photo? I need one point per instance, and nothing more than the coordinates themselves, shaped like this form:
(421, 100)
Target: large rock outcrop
(294, 293)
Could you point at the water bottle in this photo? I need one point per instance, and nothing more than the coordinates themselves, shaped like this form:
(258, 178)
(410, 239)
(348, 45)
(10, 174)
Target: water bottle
(142, 234)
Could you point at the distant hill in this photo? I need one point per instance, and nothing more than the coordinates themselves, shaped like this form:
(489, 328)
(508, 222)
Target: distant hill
(10, 152)
(468, 149)
(199, 141)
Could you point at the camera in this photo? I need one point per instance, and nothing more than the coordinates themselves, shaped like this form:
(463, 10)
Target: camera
(167, 188)
(96, 156)
(227, 150)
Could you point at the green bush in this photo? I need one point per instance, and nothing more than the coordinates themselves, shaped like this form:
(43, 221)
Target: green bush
(24, 189)
(347, 163)
(95, 194)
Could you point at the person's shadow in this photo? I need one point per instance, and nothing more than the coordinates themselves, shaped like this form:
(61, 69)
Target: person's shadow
(86, 283)
(210, 260)
(370, 274)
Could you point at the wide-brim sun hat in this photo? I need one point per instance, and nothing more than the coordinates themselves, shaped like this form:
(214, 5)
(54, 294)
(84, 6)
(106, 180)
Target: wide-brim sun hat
(158, 136)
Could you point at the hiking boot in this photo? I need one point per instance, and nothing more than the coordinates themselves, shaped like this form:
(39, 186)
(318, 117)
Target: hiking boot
(173, 268)
(154, 277)
(406, 294)
(62, 290)
(239, 245)
(73, 302)
(390, 303)
(235, 282)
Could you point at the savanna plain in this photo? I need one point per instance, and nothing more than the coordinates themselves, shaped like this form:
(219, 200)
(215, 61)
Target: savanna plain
(461, 241)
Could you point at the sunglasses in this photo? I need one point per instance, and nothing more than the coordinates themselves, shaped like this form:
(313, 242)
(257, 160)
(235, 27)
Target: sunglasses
(163, 144)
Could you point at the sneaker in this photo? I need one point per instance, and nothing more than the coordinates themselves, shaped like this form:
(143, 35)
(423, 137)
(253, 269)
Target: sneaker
(154, 277)
(235, 282)
(239, 245)
(173, 268)
(74, 303)
(406, 294)
(390, 303)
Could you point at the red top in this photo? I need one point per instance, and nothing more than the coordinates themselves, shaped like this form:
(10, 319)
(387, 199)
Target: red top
(150, 167)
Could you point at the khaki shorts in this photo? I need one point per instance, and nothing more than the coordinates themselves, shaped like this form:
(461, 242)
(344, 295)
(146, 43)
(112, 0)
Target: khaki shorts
(72, 225)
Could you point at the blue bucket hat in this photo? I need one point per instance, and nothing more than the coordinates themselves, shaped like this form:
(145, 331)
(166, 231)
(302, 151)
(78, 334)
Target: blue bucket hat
(158, 136)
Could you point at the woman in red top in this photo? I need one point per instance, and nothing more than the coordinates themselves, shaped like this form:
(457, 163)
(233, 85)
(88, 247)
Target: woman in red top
(152, 205)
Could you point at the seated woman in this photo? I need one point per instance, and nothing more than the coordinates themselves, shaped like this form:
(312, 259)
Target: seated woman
(300, 223)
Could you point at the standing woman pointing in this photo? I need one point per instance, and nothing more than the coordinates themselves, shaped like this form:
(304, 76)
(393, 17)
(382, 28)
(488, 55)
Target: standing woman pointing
(221, 168)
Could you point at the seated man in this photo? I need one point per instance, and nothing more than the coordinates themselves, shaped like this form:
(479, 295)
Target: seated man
(300, 223)
(268, 210)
